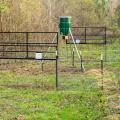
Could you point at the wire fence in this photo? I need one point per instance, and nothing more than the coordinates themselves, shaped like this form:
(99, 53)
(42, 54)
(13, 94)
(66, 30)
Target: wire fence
(98, 76)
(99, 83)
(28, 74)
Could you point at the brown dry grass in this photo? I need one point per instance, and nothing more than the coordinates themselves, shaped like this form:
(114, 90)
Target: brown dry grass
(110, 91)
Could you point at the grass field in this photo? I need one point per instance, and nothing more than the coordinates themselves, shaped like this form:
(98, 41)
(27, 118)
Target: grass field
(27, 93)
(22, 99)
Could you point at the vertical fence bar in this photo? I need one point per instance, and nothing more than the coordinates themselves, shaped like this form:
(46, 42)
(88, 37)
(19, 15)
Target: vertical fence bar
(27, 45)
(85, 34)
(66, 52)
(3, 50)
(118, 78)
(3, 47)
(73, 58)
(57, 71)
(105, 35)
(105, 39)
(42, 65)
(102, 71)
(57, 63)
(81, 63)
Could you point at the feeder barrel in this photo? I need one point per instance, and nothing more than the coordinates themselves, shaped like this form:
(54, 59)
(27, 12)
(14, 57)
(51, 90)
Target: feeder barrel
(65, 25)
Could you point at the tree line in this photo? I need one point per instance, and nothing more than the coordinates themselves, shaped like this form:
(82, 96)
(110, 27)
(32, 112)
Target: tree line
(43, 15)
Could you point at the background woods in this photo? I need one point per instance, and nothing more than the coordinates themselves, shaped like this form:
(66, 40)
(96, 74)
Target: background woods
(42, 15)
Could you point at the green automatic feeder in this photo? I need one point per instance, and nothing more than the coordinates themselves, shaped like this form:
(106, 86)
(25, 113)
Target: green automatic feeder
(65, 26)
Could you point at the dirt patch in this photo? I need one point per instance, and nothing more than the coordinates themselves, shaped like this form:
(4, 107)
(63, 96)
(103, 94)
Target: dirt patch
(20, 117)
(96, 72)
(27, 69)
(113, 117)
(72, 70)
(28, 86)
(18, 86)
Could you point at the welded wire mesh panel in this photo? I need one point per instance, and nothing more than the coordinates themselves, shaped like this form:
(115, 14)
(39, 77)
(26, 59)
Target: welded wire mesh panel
(8, 43)
(89, 52)
(27, 75)
(71, 78)
(12, 37)
(42, 37)
(112, 50)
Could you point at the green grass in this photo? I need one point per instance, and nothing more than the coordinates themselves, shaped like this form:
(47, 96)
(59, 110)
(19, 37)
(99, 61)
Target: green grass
(75, 100)
(31, 95)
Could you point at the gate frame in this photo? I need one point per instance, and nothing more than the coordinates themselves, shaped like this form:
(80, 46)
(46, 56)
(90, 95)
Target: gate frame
(55, 45)
(85, 29)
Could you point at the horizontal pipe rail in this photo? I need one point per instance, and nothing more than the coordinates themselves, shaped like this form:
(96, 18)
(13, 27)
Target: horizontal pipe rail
(30, 51)
(29, 32)
(86, 43)
(90, 39)
(90, 27)
(91, 35)
(27, 43)
(30, 45)
(27, 58)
